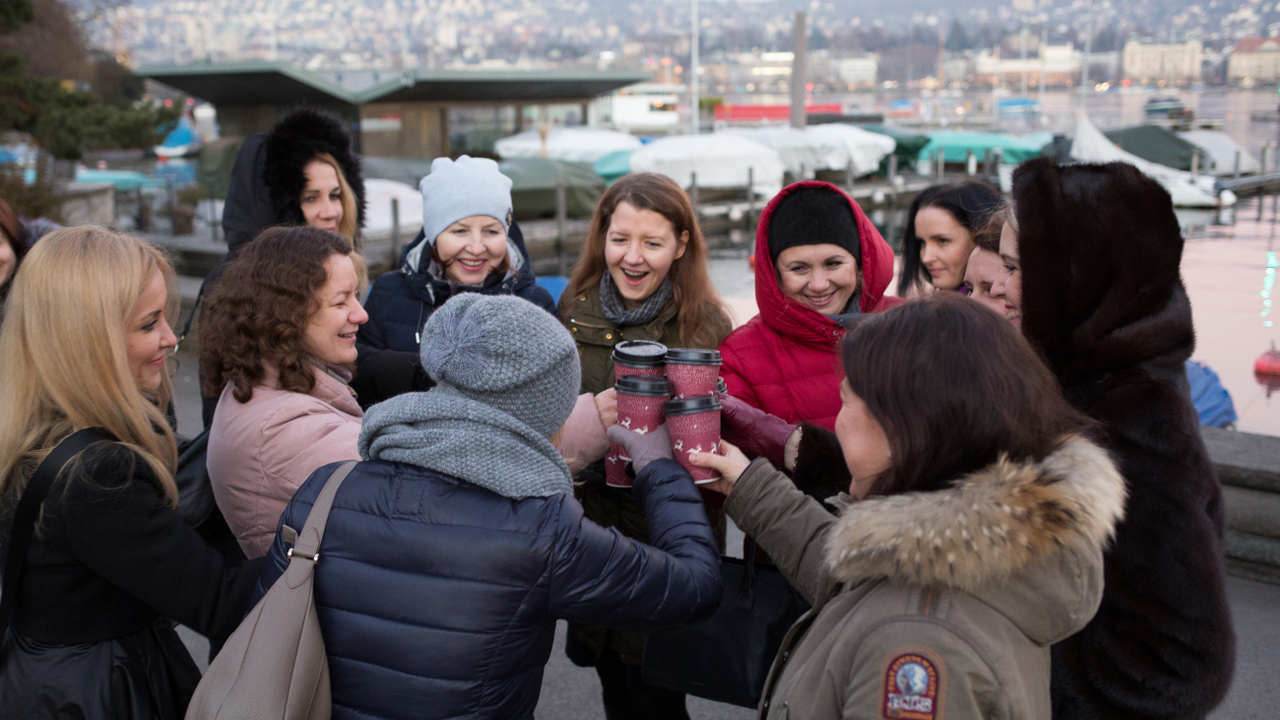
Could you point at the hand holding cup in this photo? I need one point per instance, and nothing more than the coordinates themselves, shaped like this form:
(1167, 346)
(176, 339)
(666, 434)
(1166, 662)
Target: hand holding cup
(642, 448)
(730, 463)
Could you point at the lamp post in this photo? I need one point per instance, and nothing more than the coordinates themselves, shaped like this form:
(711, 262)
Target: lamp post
(694, 35)
(1088, 50)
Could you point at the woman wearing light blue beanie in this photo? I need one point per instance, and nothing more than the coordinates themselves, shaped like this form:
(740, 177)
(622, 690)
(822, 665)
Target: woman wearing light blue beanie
(468, 244)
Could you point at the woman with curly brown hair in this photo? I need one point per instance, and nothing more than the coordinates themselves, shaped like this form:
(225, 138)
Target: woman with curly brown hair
(278, 343)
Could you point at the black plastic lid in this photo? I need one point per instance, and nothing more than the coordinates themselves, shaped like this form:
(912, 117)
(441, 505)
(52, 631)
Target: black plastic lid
(692, 405)
(693, 356)
(643, 385)
(640, 353)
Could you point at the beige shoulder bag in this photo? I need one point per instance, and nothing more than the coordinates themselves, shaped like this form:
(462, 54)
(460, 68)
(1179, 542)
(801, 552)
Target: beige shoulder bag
(274, 665)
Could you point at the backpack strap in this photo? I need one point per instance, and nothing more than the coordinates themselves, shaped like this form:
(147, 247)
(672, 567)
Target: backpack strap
(24, 518)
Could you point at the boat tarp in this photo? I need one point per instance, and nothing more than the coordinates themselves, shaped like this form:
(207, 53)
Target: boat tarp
(213, 169)
(378, 194)
(907, 148)
(958, 144)
(568, 144)
(720, 160)
(1090, 145)
(1154, 143)
(830, 146)
(533, 187)
(614, 165)
(123, 180)
(1211, 401)
(1218, 156)
(409, 171)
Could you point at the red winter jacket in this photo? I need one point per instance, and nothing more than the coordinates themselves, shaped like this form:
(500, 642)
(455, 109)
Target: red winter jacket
(785, 360)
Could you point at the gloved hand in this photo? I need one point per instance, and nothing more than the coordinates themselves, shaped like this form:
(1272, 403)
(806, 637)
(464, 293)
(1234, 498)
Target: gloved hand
(643, 449)
(754, 431)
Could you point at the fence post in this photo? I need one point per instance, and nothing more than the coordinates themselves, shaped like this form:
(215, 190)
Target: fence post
(1195, 162)
(395, 233)
(751, 195)
(1237, 167)
(562, 216)
(693, 192)
(970, 163)
(942, 163)
(173, 207)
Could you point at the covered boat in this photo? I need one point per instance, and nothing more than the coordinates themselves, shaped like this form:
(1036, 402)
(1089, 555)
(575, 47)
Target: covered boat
(1090, 145)
(720, 160)
(613, 166)
(1218, 153)
(907, 144)
(533, 187)
(958, 144)
(1154, 143)
(180, 142)
(567, 144)
(830, 146)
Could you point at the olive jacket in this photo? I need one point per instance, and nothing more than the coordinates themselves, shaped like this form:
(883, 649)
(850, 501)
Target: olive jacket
(596, 336)
(939, 604)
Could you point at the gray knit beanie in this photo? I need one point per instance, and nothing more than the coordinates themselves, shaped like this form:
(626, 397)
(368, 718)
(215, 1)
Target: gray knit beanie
(507, 353)
(461, 188)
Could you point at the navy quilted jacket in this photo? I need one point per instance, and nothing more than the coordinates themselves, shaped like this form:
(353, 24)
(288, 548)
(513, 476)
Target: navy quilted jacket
(400, 301)
(438, 598)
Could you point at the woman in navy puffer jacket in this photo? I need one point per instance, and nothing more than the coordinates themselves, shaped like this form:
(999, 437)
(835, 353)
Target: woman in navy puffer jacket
(453, 549)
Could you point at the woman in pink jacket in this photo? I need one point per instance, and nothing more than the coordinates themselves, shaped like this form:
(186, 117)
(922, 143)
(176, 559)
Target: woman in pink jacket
(277, 344)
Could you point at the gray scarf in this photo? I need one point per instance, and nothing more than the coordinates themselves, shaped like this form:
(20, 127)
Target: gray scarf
(851, 311)
(619, 315)
(448, 432)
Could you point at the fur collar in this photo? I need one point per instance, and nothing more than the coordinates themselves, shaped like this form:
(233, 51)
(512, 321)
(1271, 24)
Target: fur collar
(985, 528)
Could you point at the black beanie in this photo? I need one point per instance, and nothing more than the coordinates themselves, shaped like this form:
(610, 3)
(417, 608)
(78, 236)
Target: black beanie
(813, 216)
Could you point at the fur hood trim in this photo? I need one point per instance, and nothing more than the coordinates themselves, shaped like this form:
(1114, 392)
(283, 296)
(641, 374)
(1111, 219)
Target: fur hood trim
(300, 136)
(987, 527)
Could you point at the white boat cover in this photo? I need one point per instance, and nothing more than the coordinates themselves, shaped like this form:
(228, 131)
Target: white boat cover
(721, 160)
(1091, 146)
(378, 194)
(829, 146)
(567, 144)
(1219, 153)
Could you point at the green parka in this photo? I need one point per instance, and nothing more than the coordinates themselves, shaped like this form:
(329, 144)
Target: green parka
(939, 604)
(596, 336)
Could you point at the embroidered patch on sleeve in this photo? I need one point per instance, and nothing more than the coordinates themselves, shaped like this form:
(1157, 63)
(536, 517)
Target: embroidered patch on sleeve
(912, 688)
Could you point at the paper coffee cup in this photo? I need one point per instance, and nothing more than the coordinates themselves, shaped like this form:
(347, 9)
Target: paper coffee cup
(694, 426)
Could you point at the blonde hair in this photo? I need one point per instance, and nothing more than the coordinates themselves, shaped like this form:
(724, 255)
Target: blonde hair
(348, 228)
(63, 350)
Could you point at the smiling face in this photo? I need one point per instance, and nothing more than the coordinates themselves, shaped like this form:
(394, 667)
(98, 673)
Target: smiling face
(471, 248)
(945, 246)
(8, 260)
(980, 274)
(866, 446)
(331, 333)
(820, 277)
(321, 199)
(1008, 284)
(148, 337)
(639, 250)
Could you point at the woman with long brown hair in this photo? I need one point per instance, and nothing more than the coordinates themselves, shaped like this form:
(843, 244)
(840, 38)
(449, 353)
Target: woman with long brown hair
(109, 561)
(642, 275)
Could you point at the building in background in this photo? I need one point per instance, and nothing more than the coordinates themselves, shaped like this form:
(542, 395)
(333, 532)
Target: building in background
(1254, 60)
(1060, 65)
(859, 72)
(1176, 64)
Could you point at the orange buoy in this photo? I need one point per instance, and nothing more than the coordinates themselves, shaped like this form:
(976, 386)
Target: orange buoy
(1268, 363)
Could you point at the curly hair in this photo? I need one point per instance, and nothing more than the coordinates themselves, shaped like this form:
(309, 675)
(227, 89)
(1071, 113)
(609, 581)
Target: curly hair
(259, 311)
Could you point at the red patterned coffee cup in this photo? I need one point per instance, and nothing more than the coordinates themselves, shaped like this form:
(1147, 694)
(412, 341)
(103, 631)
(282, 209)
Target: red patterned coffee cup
(639, 357)
(640, 401)
(615, 466)
(694, 426)
(692, 372)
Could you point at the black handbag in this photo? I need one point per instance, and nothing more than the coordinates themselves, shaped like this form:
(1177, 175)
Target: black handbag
(727, 657)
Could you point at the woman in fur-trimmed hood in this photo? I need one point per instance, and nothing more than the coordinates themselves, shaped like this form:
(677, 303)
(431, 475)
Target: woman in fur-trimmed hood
(970, 538)
(1093, 255)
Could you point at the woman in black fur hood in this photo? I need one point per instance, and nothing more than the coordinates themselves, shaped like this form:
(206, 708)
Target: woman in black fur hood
(1092, 255)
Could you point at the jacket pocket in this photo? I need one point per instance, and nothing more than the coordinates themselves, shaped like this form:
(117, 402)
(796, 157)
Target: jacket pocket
(594, 333)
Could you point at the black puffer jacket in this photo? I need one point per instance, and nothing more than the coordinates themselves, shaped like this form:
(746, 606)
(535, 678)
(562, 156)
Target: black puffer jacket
(438, 598)
(1103, 301)
(401, 301)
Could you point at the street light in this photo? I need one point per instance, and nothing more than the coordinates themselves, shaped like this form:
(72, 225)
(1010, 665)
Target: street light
(693, 74)
(1088, 50)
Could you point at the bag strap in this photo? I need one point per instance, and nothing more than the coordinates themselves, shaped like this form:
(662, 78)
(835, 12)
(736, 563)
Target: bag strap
(191, 316)
(305, 554)
(746, 600)
(24, 518)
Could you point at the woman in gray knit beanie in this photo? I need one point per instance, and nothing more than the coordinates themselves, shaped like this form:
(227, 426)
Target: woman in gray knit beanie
(453, 549)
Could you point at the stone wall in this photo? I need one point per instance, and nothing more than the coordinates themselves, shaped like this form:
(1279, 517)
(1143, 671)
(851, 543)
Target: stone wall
(1249, 468)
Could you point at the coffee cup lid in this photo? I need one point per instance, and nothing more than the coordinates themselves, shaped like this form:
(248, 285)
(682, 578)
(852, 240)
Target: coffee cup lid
(692, 405)
(640, 353)
(693, 356)
(643, 385)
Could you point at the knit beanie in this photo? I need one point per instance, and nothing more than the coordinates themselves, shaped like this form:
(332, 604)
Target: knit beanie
(461, 188)
(814, 216)
(507, 353)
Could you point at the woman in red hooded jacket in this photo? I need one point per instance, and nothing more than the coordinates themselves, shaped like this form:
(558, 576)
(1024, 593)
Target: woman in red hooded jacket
(819, 263)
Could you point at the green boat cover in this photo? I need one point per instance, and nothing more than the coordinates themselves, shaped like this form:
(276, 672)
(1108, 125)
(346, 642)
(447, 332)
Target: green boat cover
(533, 189)
(614, 165)
(909, 145)
(1155, 144)
(958, 143)
(213, 169)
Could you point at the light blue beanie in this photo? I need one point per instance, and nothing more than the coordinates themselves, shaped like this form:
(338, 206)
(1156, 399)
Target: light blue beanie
(461, 188)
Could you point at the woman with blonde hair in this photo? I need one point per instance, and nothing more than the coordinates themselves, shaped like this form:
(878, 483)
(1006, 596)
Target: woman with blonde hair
(108, 561)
